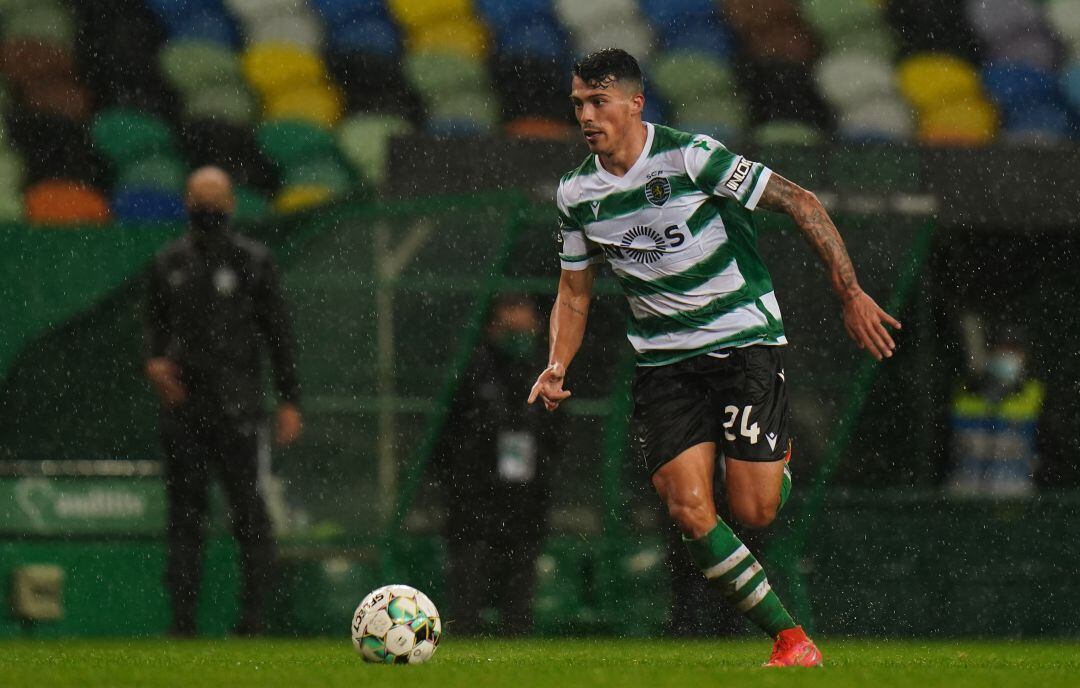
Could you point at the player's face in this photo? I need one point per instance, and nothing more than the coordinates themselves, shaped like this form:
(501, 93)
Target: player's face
(605, 113)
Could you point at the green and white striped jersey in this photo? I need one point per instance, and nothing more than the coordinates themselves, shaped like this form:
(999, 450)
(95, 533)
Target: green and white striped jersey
(678, 233)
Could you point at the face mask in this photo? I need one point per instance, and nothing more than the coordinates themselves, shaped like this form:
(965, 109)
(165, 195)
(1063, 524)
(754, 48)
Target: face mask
(1005, 367)
(515, 344)
(208, 221)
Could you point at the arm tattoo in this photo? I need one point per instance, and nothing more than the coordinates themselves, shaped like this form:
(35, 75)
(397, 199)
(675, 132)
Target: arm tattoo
(782, 196)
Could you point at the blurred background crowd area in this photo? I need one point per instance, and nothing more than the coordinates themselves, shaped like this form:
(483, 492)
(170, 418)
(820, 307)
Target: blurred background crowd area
(108, 104)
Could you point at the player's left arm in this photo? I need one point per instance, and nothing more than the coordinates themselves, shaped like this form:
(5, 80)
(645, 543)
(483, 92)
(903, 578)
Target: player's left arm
(864, 319)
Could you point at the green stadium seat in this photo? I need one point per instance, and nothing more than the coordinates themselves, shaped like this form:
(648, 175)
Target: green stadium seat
(124, 136)
(477, 107)
(228, 103)
(43, 22)
(848, 79)
(193, 65)
(832, 18)
(683, 77)
(437, 75)
(325, 172)
(161, 172)
(290, 142)
(11, 171)
(879, 40)
(719, 115)
(789, 132)
(365, 142)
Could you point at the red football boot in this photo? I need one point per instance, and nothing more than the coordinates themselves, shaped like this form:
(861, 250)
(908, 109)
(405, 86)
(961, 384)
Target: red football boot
(793, 648)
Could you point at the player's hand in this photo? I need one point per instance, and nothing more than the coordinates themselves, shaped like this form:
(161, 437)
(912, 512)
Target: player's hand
(164, 376)
(289, 424)
(865, 323)
(548, 387)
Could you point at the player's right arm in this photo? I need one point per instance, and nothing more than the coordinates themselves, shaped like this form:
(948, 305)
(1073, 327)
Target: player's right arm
(569, 316)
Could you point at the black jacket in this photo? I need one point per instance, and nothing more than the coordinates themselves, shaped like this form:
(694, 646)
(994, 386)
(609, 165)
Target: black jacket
(214, 303)
(489, 403)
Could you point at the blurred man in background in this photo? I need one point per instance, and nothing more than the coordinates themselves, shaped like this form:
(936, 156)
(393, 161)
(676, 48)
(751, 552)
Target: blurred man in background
(994, 420)
(494, 458)
(214, 303)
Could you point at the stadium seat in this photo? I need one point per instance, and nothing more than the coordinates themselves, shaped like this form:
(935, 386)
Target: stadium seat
(683, 77)
(966, 122)
(250, 205)
(468, 106)
(227, 104)
(368, 35)
(1016, 86)
(43, 22)
(414, 15)
(364, 140)
(848, 79)
(291, 142)
(304, 30)
(124, 136)
(724, 118)
(160, 172)
(1064, 17)
(148, 205)
(65, 202)
(787, 133)
(461, 36)
(26, 62)
(539, 37)
(319, 103)
(436, 75)
(933, 79)
(212, 26)
(65, 99)
(336, 12)
(191, 65)
(326, 172)
(1070, 83)
(274, 68)
(296, 198)
(886, 118)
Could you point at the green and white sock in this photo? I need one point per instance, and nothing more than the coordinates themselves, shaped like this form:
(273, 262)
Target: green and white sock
(732, 569)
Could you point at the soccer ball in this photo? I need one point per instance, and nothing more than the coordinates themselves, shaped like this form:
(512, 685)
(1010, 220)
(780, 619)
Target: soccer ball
(396, 624)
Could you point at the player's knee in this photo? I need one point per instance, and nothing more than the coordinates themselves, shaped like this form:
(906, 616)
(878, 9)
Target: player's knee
(756, 515)
(694, 517)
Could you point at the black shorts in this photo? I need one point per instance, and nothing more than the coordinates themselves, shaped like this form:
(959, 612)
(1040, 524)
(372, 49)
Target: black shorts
(736, 398)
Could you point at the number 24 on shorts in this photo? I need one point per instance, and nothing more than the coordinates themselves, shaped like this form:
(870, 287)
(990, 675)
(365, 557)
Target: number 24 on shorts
(751, 432)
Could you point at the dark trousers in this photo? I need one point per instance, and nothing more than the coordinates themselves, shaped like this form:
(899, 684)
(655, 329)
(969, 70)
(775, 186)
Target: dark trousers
(489, 573)
(192, 451)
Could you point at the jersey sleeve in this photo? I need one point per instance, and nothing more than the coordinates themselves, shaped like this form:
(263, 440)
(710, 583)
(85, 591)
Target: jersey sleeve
(719, 172)
(576, 252)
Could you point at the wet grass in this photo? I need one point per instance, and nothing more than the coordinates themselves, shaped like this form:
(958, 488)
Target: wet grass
(524, 664)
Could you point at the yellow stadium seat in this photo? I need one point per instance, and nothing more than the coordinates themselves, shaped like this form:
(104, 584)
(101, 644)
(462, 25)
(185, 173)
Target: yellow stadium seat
(932, 80)
(968, 122)
(273, 68)
(462, 36)
(296, 198)
(414, 14)
(320, 104)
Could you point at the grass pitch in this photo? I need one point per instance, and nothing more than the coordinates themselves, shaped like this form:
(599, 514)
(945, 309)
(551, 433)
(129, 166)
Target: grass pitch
(528, 663)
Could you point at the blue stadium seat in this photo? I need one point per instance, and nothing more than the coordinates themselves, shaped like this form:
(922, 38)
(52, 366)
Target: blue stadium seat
(1015, 86)
(502, 15)
(209, 25)
(540, 37)
(339, 12)
(677, 13)
(148, 205)
(712, 37)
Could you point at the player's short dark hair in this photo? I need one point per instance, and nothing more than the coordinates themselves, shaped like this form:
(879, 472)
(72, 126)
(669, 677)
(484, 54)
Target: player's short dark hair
(604, 67)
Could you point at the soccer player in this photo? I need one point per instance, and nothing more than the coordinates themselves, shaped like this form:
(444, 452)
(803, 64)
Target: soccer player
(670, 212)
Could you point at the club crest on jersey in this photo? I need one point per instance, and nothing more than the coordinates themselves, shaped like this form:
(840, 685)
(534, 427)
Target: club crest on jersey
(658, 191)
(643, 244)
